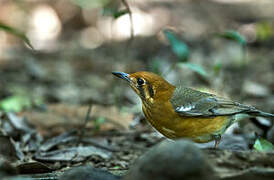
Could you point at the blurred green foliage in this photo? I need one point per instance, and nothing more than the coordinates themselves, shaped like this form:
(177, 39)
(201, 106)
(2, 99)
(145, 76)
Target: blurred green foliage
(264, 31)
(15, 103)
(217, 68)
(239, 39)
(114, 12)
(234, 36)
(194, 67)
(19, 102)
(179, 48)
(98, 123)
(156, 64)
(263, 145)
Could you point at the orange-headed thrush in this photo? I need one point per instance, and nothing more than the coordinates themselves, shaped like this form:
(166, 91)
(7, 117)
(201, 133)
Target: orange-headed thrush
(178, 112)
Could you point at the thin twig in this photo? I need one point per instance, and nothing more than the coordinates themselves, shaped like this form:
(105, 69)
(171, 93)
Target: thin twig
(85, 124)
(130, 18)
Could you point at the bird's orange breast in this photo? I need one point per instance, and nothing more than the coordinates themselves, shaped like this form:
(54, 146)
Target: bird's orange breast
(172, 125)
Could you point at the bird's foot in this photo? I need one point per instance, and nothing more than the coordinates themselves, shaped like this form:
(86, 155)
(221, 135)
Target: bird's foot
(217, 138)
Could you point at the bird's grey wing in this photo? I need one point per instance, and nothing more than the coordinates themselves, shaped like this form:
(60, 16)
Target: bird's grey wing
(189, 102)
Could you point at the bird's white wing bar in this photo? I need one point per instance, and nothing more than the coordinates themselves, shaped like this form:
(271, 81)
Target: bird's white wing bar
(185, 108)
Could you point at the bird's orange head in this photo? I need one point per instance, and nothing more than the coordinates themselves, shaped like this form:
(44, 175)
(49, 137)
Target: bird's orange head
(148, 86)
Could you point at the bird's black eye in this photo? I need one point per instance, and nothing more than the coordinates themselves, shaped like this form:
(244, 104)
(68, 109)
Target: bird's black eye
(140, 81)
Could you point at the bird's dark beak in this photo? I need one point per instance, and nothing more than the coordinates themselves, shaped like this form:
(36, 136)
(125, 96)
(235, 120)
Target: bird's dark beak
(122, 75)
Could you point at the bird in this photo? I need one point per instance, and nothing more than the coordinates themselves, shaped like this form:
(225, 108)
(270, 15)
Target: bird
(182, 112)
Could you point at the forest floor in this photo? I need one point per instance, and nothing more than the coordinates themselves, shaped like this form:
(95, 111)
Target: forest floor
(51, 92)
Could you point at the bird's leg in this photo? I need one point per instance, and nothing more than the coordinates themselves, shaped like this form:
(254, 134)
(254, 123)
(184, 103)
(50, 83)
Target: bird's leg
(217, 138)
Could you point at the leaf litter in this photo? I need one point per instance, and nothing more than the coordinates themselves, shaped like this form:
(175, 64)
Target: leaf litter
(29, 152)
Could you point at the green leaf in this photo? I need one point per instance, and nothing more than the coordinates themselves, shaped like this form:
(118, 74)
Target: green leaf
(15, 103)
(120, 13)
(263, 145)
(194, 67)
(115, 13)
(179, 48)
(98, 122)
(16, 32)
(233, 35)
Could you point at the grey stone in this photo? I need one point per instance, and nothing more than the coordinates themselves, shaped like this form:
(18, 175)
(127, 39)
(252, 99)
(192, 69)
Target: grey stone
(87, 173)
(170, 160)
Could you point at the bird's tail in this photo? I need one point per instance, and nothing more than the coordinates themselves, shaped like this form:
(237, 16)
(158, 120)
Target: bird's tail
(261, 113)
